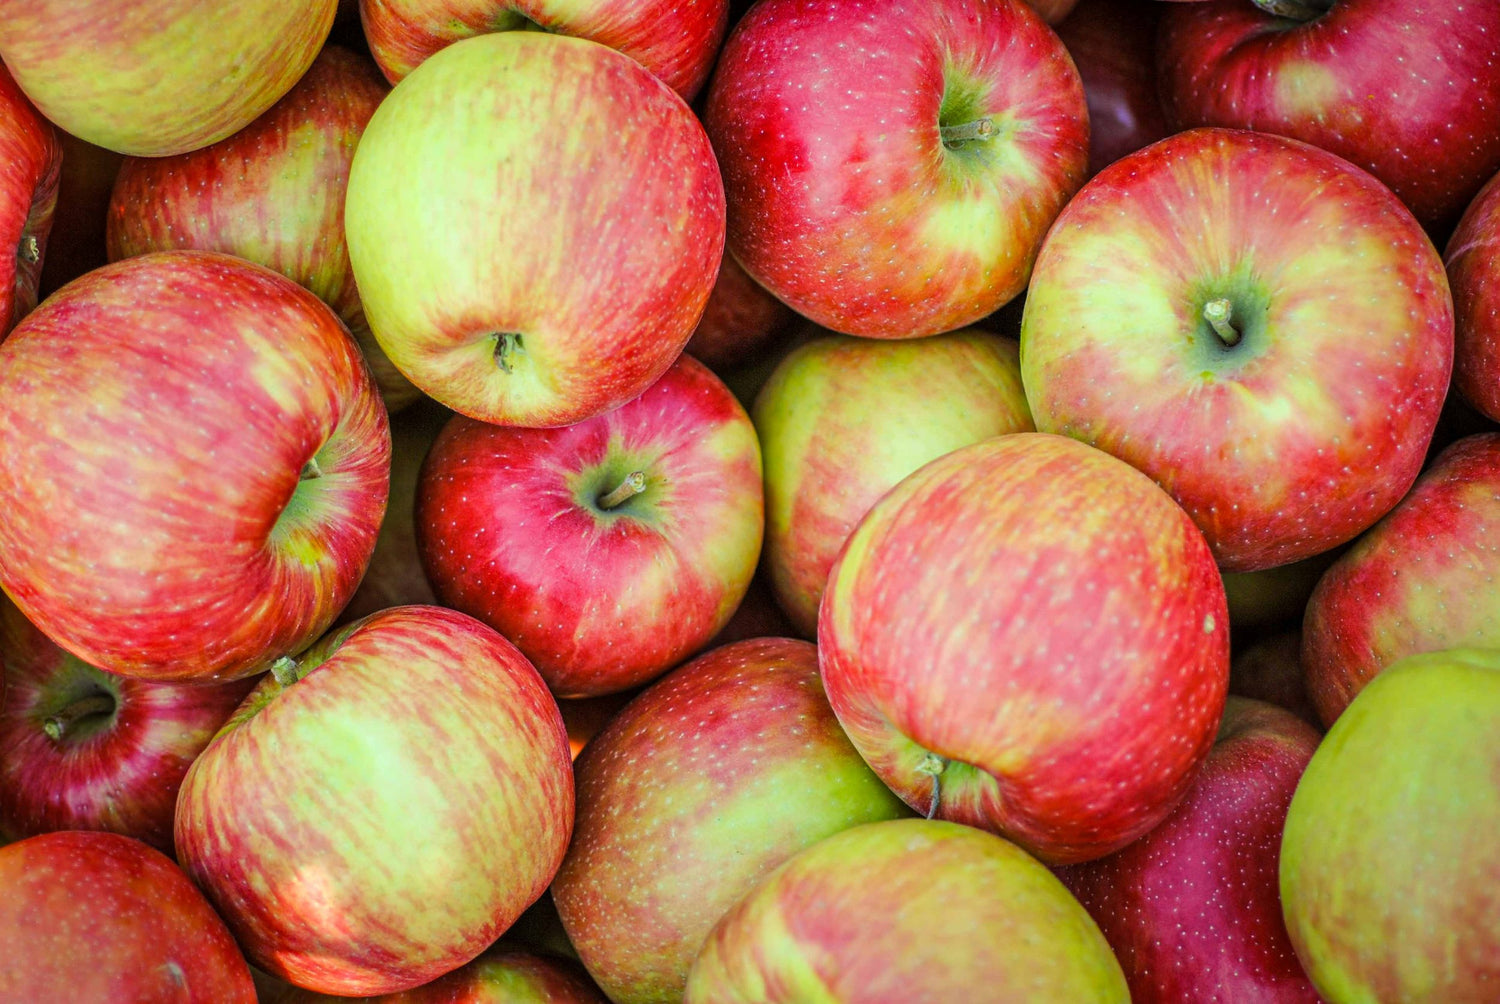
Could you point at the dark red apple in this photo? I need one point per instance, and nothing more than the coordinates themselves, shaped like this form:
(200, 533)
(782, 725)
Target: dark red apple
(1113, 44)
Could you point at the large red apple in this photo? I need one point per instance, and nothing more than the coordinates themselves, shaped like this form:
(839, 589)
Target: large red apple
(1472, 256)
(892, 165)
(193, 466)
(1027, 635)
(1257, 324)
(30, 166)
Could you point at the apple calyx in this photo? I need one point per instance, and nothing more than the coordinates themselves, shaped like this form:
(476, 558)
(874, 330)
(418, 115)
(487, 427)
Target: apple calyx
(1219, 314)
(311, 469)
(508, 345)
(59, 724)
(286, 671)
(1295, 10)
(30, 250)
(933, 766)
(633, 484)
(955, 136)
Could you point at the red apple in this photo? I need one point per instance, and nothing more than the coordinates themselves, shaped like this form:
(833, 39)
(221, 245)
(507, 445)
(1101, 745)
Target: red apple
(1113, 44)
(1269, 669)
(1472, 256)
(158, 77)
(694, 791)
(193, 466)
(76, 243)
(30, 165)
(504, 974)
(892, 165)
(740, 321)
(609, 550)
(1257, 324)
(569, 217)
(272, 193)
(1407, 89)
(1193, 909)
(98, 918)
(1028, 636)
(380, 811)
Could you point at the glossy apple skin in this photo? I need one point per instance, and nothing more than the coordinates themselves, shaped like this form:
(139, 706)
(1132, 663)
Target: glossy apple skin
(117, 769)
(692, 793)
(1388, 870)
(156, 416)
(844, 201)
(1407, 89)
(1472, 257)
(1193, 909)
(98, 917)
(272, 193)
(1038, 623)
(1113, 44)
(907, 910)
(524, 161)
(504, 974)
(843, 419)
(675, 41)
(30, 167)
(440, 809)
(159, 77)
(1421, 580)
(1289, 442)
(740, 321)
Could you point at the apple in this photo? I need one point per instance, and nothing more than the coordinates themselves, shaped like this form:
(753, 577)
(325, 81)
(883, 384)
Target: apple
(381, 809)
(159, 77)
(1113, 44)
(891, 168)
(504, 974)
(76, 242)
(842, 419)
(1054, 12)
(1257, 324)
(535, 223)
(1388, 864)
(1028, 636)
(1193, 909)
(1276, 596)
(676, 42)
(693, 792)
(272, 193)
(741, 321)
(30, 166)
(1474, 275)
(907, 910)
(608, 550)
(193, 466)
(82, 749)
(93, 918)
(1407, 89)
(1270, 669)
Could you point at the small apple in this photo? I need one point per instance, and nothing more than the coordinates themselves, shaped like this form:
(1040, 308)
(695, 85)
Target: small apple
(1113, 44)
(30, 167)
(504, 974)
(740, 322)
(1270, 669)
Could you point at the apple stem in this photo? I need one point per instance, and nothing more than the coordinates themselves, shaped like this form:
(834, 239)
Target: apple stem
(506, 347)
(56, 726)
(1295, 10)
(633, 485)
(933, 765)
(957, 135)
(1218, 314)
(30, 251)
(286, 671)
(311, 469)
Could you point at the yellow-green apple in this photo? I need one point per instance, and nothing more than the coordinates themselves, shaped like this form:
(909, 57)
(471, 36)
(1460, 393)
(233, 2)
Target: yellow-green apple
(272, 193)
(193, 466)
(1028, 636)
(1421, 580)
(504, 974)
(82, 749)
(842, 419)
(95, 918)
(76, 243)
(1269, 669)
(608, 550)
(740, 322)
(675, 41)
(381, 809)
(1256, 323)
(535, 223)
(892, 166)
(1388, 859)
(1407, 89)
(907, 910)
(1472, 256)
(694, 791)
(30, 168)
(159, 77)
(1193, 908)
(1113, 44)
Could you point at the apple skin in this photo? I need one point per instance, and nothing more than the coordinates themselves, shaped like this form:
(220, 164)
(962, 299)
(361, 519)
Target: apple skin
(1389, 869)
(1028, 636)
(122, 745)
(521, 157)
(700, 786)
(273, 193)
(157, 418)
(30, 168)
(439, 808)
(675, 41)
(740, 321)
(1193, 909)
(159, 77)
(512, 529)
(843, 199)
(907, 910)
(842, 419)
(1113, 44)
(504, 974)
(1472, 257)
(100, 917)
(1420, 580)
(1286, 443)
(1269, 669)
(1407, 89)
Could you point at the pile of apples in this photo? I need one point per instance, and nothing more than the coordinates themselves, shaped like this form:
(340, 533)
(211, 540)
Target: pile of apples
(792, 501)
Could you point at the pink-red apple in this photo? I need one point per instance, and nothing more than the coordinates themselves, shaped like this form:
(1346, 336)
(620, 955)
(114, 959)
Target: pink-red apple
(740, 322)
(1472, 256)
(30, 166)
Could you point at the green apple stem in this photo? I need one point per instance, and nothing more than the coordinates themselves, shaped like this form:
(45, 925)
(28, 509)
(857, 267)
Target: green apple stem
(957, 135)
(933, 766)
(30, 251)
(1295, 10)
(311, 470)
(286, 671)
(633, 485)
(507, 346)
(56, 726)
(1219, 313)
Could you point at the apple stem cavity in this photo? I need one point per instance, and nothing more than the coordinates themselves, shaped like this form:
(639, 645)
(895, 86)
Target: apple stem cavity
(933, 766)
(955, 136)
(1295, 10)
(1218, 313)
(507, 346)
(633, 485)
(57, 726)
(30, 251)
